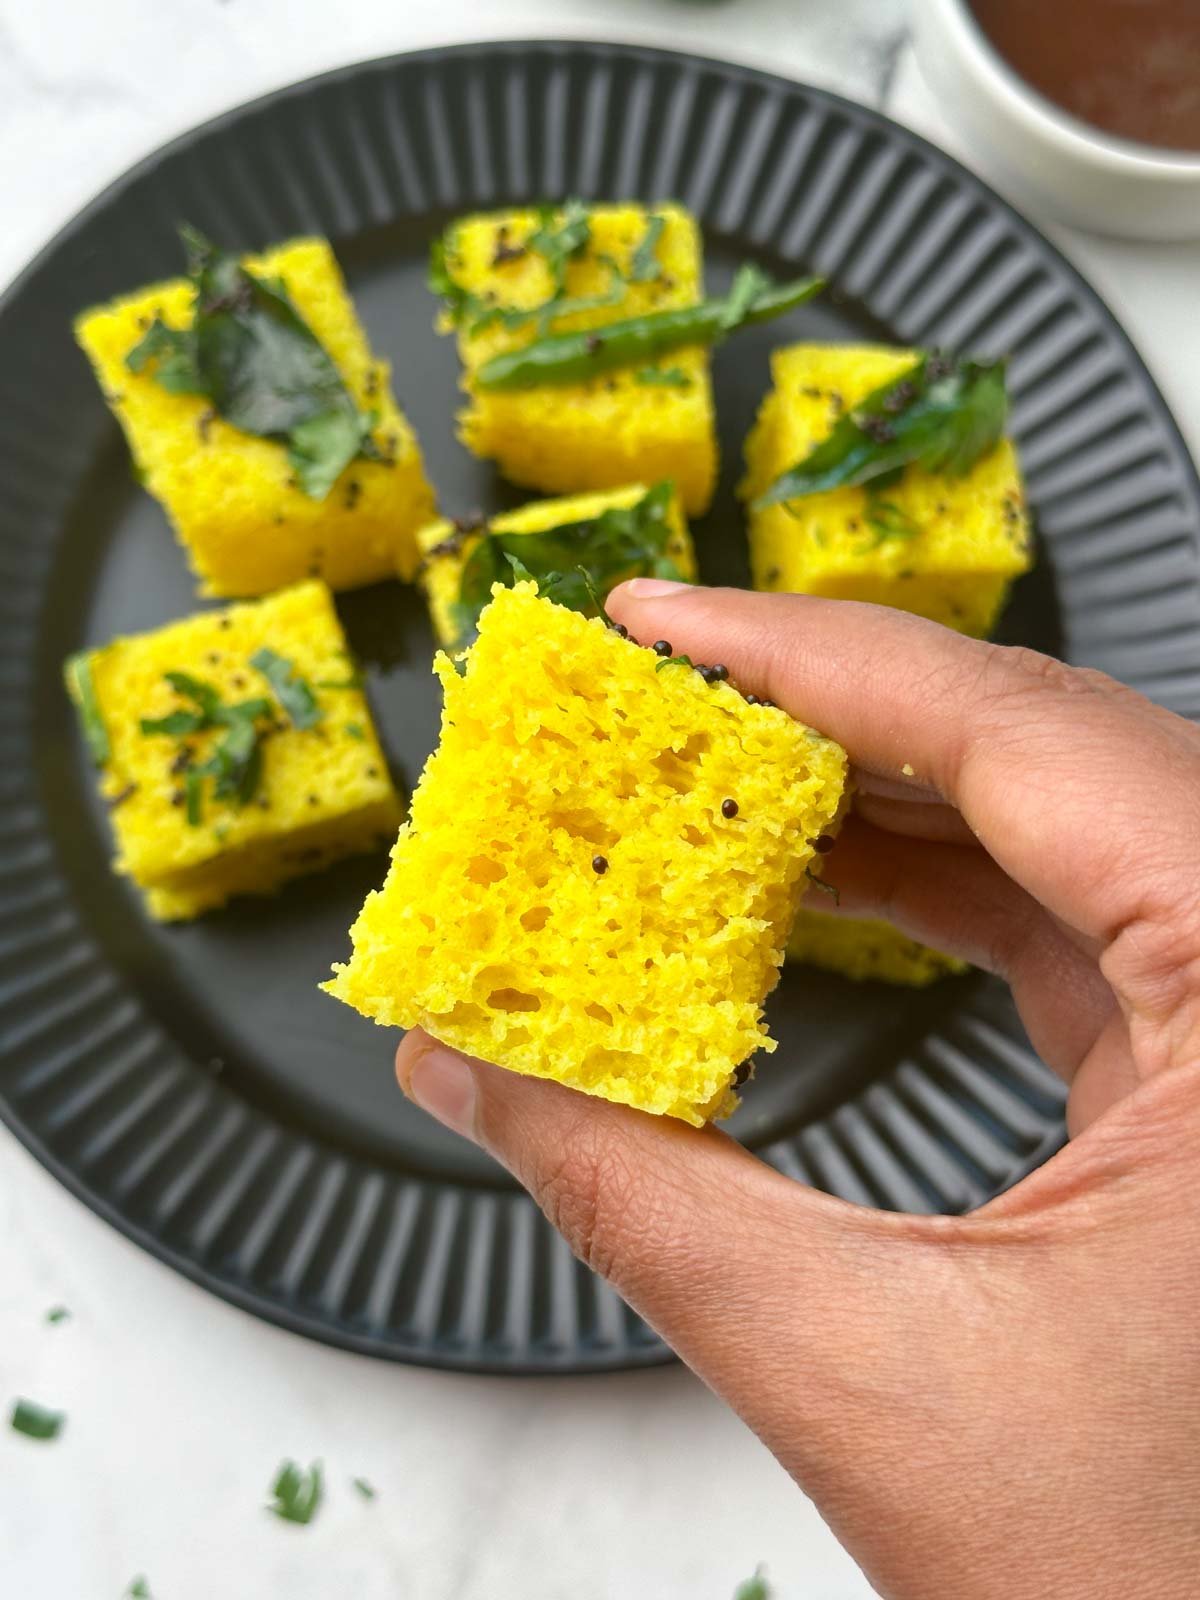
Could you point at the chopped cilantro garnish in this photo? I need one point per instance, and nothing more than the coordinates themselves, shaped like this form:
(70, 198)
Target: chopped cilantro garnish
(367, 1490)
(291, 690)
(355, 730)
(193, 795)
(461, 305)
(887, 521)
(674, 661)
(58, 1314)
(296, 1494)
(749, 283)
(645, 265)
(139, 1589)
(78, 672)
(558, 238)
(235, 764)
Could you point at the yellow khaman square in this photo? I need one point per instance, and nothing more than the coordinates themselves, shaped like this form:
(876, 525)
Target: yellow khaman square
(324, 791)
(866, 947)
(620, 427)
(601, 866)
(246, 527)
(446, 546)
(973, 537)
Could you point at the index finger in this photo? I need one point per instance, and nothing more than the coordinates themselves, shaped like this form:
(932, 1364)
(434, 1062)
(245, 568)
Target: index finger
(1085, 792)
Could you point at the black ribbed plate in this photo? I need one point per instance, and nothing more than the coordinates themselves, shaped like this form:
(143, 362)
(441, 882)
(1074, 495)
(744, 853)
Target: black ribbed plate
(189, 1083)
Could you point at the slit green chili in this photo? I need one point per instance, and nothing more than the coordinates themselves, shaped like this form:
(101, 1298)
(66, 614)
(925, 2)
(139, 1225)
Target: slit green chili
(633, 341)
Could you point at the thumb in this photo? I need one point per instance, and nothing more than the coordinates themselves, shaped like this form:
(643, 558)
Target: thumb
(719, 1253)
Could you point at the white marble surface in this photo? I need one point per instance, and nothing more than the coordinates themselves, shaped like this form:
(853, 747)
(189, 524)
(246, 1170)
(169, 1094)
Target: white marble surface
(180, 1407)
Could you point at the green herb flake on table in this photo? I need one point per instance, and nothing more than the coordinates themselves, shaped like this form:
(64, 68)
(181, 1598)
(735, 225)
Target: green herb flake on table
(36, 1421)
(755, 1588)
(295, 1493)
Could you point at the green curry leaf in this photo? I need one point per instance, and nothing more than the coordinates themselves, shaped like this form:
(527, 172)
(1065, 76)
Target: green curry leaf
(320, 449)
(173, 354)
(260, 365)
(571, 563)
(943, 415)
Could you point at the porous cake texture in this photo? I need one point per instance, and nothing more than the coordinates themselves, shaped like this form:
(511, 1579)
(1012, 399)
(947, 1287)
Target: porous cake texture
(640, 424)
(245, 525)
(601, 865)
(961, 540)
(446, 546)
(322, 789)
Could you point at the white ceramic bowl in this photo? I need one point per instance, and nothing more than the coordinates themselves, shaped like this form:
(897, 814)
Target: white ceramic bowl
(1043, 155)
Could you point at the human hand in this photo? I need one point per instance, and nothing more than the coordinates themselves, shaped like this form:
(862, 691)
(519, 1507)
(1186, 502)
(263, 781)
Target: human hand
(1000, 1405)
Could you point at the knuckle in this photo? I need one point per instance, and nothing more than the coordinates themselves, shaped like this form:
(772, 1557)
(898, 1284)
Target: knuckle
(590, 1194)
(1016, 672)
(625, 1218)
(1019, 670)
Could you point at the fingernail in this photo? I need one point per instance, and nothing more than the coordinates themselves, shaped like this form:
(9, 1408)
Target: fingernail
(443, 1084)
(654, 588)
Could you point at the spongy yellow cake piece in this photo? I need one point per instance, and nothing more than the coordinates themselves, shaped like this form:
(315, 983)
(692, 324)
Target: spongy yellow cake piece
(572, 897)
(324, 790)
(446, 547)
(974, 536)
(246, 528)
(866, 947)
(610, 430)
